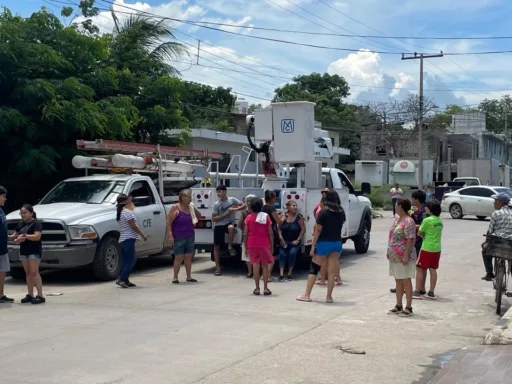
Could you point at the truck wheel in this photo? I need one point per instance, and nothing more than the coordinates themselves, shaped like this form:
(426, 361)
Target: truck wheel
(456, 211)
(17, 273)
(362, 239)
(107, 261)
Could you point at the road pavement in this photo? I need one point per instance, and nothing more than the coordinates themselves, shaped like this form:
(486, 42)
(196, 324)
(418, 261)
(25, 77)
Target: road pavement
(216, 331)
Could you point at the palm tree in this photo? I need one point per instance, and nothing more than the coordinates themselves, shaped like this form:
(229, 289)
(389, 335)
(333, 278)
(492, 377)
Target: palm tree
(142, 43)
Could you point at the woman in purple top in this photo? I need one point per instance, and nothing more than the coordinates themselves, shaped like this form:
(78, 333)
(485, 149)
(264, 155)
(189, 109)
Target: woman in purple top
(180, 227)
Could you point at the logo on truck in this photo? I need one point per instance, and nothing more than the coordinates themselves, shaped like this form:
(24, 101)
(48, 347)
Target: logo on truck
(287, 126)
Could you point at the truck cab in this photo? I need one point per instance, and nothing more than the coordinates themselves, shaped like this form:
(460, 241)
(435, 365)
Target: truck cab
(78, 217)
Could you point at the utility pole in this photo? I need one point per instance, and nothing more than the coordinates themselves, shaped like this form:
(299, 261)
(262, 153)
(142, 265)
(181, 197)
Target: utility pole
(421, 56)
(506, 133)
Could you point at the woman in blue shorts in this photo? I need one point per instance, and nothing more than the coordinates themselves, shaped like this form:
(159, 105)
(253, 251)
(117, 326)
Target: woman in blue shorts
(327, 245)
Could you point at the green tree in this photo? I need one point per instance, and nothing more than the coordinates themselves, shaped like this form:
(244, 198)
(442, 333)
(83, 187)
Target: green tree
(59, 84)
(496, 112)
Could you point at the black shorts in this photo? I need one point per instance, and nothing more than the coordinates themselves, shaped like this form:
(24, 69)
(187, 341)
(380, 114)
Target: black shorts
(219, 234)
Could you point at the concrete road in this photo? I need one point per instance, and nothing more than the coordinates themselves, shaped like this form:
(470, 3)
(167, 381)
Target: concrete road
(216, 331)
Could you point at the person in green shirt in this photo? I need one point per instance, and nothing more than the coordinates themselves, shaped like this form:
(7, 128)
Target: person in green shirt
(431, 230)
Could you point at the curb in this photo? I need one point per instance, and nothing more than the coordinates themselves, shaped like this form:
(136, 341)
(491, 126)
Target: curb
(501, 333)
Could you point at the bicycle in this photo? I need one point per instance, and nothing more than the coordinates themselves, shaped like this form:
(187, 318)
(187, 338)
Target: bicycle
(501, 250)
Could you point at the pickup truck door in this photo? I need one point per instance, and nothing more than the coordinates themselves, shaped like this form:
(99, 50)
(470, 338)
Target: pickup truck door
(150, 215)
(355, 208)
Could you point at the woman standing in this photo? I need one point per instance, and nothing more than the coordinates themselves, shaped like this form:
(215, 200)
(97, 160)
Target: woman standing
(270, 209)
(28, 236)
(129, 234)
(258, 242)
(323, 271)
(327, 246)
(241, 224)
(181, 233)
(292, 229)
(401, 255)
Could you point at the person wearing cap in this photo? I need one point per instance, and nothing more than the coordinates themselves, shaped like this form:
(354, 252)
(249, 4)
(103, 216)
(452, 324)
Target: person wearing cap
(500, 226)
(130, 233)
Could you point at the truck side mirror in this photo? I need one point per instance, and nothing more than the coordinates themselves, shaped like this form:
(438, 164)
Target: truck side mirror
(366, 188)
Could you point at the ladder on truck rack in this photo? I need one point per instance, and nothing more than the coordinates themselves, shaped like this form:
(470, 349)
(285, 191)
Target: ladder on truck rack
(137, 148)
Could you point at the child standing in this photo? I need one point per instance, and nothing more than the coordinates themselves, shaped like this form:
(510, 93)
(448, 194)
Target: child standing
(431, 231)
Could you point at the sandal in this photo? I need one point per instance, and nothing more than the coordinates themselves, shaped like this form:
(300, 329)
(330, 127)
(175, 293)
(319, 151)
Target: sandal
(256, 292)
(217, 272)
(329, 301)
(304, 298)
(249, 276)
(191, 281)
(406, 312)
(176, 281)
(339, 283)
(268, 292)
(395, 311)
(320, 282)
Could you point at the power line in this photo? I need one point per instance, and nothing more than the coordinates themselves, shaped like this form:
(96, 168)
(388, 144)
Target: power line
(297, 43)
(252, 27)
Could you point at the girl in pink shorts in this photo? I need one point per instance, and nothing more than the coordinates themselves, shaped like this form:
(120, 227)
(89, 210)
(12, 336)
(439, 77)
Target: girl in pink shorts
(258, 243)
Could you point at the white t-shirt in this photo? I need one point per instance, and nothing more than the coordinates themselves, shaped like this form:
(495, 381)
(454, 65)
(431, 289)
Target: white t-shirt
(396, 193)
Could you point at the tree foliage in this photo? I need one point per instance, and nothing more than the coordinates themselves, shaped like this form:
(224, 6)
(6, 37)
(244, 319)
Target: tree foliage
(496, 112)
(61, 83)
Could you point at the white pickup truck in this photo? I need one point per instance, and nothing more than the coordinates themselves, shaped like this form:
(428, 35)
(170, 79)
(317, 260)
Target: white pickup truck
(79, 222)
(357, 208)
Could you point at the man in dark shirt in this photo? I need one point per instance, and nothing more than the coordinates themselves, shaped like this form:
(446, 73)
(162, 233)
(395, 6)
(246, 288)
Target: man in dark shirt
(4, 253)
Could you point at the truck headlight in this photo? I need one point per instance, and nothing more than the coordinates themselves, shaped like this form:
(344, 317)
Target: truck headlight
(82, 232)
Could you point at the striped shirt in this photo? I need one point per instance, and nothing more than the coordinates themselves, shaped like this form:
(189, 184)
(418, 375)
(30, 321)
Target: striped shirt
(501, 223)
(124, 226)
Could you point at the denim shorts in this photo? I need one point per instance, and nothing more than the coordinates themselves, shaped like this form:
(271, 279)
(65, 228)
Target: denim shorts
(325, 248)
(184, 246)
(30, 257)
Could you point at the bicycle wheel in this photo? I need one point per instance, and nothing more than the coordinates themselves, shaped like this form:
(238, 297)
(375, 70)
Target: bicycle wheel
(498, 284)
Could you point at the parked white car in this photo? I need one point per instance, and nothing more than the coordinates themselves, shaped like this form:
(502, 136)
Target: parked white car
(474, 200)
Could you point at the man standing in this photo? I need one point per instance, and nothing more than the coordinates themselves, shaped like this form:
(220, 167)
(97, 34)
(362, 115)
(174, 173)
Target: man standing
(223, 217)
(395, 193)
(500, 226)
(4, 253)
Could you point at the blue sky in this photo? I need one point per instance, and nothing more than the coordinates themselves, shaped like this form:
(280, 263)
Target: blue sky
(374, 77)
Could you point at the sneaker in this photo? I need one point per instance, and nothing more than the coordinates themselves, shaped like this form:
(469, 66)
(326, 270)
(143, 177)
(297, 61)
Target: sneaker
(290, 278)
(418, 295)
(27, 299)
(38, 300)
(407, 312)
(122, 284)
(431, 296)
(130, 284)
(488, 277)
(282, 279)
(5, 299)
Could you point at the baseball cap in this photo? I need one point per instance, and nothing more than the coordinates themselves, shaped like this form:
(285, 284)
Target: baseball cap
(503, 197)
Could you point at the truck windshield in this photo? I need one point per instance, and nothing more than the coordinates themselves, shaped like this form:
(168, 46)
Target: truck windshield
(84, 191)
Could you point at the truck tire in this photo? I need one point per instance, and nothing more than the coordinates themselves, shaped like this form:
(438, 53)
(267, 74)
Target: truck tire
(106, 265)
(362, 239)
(17, 273)
(456, 211)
